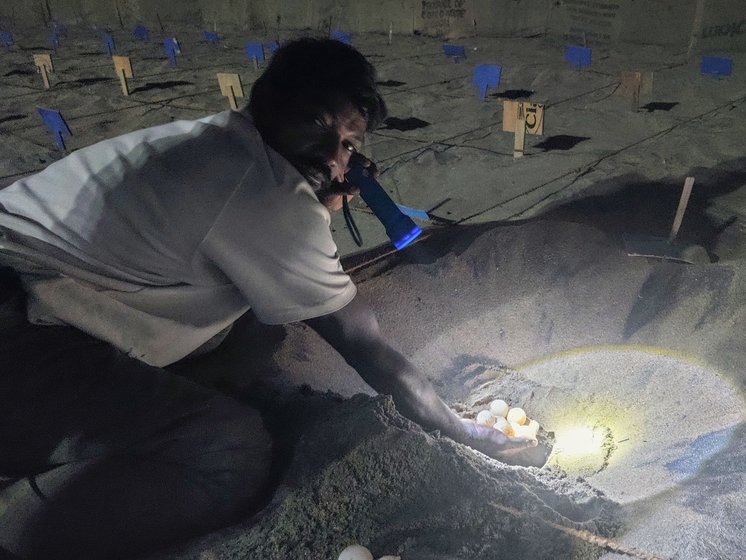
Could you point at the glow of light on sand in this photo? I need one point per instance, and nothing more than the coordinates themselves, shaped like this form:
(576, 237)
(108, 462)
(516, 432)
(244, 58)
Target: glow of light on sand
(579, 441)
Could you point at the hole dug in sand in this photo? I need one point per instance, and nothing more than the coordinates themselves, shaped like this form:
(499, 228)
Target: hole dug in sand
(633, 421)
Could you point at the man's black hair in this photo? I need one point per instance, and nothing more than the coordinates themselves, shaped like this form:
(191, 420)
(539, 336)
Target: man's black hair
(308, 84)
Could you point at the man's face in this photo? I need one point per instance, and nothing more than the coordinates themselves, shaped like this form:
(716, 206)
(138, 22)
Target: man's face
(351, 128)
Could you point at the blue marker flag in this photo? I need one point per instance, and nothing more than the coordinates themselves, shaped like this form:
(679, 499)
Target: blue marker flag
(456, 52)
(254, 51)
(211, 37)
(109, 44)
(54, 41)
(6, 38)
(716, 66)
(170, 48)
(56, 125)
(486, 76)
(342, 37)
(272, 46)
(579, 57)
(141, 33)
(59, 28)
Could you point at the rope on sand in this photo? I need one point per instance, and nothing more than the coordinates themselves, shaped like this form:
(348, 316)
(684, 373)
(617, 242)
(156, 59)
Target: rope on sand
(602, 542)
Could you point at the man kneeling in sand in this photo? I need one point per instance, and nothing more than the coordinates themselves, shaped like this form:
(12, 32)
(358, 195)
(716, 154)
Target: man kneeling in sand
(136, 252)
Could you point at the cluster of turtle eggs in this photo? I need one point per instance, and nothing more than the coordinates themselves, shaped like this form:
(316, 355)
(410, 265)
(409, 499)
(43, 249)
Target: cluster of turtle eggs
(510, 421)
(359, 552)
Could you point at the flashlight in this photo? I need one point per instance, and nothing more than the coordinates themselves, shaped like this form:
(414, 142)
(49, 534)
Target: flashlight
(399, 227)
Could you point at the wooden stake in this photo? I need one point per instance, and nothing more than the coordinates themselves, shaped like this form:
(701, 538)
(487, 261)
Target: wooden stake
(520, 132)
(123, 68)
(683, 201)
(699, 12)
(123, 83)
(44, 66)
(230, 87)
(232, 98)
(636, 92)
(636, 86)
(44, 77)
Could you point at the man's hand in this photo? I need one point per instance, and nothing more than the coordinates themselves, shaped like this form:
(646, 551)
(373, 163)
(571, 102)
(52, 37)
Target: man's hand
(354, 332)
(358, 159)
(331, 197)
(493, 442)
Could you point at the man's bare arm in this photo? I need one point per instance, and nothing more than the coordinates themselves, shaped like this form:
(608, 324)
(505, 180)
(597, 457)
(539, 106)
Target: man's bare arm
(354, 332)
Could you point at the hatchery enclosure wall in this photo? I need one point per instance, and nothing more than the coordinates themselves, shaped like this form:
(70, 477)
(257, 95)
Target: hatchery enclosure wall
(702, 24)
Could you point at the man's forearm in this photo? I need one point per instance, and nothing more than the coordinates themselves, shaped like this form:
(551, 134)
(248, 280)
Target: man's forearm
(353, 331)
(388, 372)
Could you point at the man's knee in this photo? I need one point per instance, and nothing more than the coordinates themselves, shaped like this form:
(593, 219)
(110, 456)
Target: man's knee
(232, 453)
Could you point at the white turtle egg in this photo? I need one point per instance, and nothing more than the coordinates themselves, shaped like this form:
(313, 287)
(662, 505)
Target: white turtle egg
(485, 418)
(534, 426)
(517, 415)
(503, 425)
(499, 407)
(355, 552)
(524, 431)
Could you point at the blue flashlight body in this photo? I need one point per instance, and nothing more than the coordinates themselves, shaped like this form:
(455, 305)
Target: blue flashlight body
(399, 227)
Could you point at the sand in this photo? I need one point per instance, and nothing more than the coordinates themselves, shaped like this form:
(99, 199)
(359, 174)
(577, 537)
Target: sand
(362, 473)
(547, 309)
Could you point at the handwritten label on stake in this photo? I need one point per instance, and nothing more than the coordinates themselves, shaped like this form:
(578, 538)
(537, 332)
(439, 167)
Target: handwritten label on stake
(44, 66)
(522, 117)
(534, 116)
(230, 87)
(123, 68)
(56, 125)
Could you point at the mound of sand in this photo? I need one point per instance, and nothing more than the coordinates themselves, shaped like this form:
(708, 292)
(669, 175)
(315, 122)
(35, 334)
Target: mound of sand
(363, 473)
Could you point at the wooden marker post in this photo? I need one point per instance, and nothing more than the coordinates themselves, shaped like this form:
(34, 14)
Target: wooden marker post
(636, 86)
(519, 143)
(230, 87)
(521, 118)
(683, 201)
(123, 68)
(44, 66)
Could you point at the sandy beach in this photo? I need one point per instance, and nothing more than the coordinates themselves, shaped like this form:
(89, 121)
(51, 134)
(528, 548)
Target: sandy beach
(522, 288)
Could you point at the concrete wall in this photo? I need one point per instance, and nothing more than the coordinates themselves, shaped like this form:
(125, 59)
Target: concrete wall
(707, 25)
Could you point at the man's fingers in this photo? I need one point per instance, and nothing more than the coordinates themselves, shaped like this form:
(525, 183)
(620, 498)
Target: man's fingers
(517, 444)
(359, 159)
